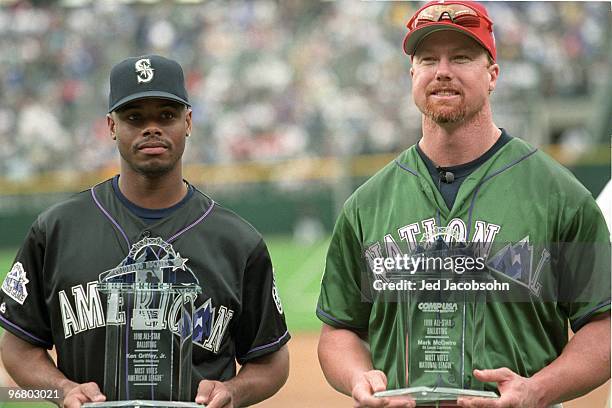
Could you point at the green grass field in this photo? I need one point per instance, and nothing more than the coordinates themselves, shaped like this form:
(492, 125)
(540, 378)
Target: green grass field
(298, 269)
(6, 258)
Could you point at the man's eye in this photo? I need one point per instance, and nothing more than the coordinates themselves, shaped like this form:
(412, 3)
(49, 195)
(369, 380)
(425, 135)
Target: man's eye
(133, 117)
(428, 60)
(168, 115)
(462, 58)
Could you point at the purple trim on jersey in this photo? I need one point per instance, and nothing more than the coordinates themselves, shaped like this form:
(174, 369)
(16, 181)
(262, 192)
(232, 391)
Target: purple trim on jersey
(193, 224)
(489, 177)
(115, 223)
(581, 321)
(408, 169)
(340, 322)
(30, 335)
(265, 346)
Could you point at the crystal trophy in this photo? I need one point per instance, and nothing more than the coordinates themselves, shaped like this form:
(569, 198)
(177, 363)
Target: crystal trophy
(443, 329)
(150, 306)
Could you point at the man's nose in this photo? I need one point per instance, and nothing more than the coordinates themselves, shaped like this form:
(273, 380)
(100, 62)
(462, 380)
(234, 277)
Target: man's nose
(151, 129)
(443, 70)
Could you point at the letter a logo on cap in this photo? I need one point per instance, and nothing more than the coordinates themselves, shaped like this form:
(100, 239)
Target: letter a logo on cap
(144, 71)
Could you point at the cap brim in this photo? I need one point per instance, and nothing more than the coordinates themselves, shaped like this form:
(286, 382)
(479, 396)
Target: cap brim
(414, 38)
(147, 95)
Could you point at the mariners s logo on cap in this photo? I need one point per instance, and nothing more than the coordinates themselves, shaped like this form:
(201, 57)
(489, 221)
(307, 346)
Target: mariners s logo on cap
(146, 76)
(144, 70)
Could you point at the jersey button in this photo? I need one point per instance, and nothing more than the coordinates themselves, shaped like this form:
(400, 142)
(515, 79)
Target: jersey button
(146, 234)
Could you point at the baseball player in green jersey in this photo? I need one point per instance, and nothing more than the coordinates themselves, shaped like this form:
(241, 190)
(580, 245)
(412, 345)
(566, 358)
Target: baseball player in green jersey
(143, 216)
(467, 184)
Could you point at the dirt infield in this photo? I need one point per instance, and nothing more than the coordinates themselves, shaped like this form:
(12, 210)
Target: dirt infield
(307, 388)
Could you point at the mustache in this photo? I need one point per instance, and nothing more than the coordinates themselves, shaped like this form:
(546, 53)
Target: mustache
(153, 141)
(436, 89)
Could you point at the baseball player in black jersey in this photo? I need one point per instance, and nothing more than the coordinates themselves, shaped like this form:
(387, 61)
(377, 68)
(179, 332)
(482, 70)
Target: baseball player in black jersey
(50, 298)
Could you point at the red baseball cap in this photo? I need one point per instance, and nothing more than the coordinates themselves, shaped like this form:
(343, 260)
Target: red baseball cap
(467, 17)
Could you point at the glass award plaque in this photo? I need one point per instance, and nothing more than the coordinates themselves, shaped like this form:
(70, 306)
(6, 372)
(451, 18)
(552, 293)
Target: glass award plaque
(150, 306)
(435, 394)
(443, 327)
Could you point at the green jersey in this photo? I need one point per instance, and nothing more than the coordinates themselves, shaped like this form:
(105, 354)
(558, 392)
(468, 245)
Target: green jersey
(509, 208)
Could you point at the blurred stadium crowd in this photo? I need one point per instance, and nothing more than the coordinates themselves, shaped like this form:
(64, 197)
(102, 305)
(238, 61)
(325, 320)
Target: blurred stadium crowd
(268, 80)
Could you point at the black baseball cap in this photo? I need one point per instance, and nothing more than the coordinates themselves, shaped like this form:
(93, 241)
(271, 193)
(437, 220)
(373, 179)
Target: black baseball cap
(147, 76)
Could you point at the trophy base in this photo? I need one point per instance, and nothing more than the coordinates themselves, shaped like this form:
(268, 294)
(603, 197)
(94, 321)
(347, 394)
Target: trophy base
(428, 395)
(143, 403)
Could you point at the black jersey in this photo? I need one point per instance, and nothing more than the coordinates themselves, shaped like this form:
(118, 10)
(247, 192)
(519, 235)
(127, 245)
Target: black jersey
(50, 296)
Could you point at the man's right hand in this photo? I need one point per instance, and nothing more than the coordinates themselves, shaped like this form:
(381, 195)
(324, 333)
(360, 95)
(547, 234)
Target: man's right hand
(75, 396)
(369, 382)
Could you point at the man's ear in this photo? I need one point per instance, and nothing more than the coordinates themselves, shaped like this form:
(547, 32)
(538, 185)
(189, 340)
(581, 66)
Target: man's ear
(188, 120)
(110, 122)
(493, 75)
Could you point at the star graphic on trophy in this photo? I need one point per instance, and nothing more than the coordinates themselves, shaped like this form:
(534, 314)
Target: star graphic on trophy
(179, 262)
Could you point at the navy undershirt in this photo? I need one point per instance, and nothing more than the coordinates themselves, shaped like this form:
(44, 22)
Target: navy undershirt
(146, 214)
(462, 171)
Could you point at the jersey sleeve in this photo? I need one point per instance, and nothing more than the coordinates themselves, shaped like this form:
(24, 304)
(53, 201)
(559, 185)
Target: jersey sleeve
(341, 301)
(261, 327)
(585, 265)
(23, 310)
